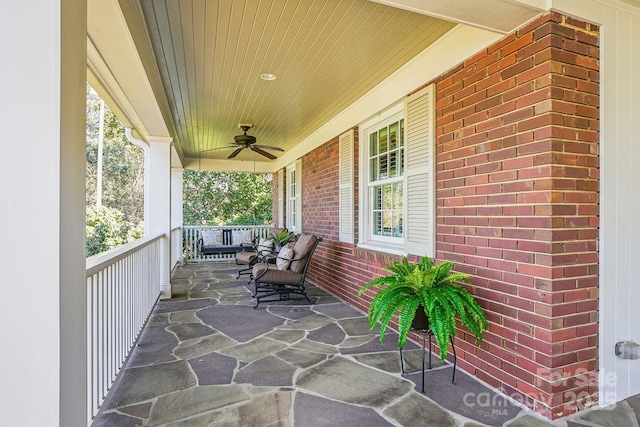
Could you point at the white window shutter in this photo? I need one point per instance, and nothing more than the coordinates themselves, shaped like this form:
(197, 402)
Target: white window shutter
(299, 196)
(420, 173)
(281, 205)
(346, 141)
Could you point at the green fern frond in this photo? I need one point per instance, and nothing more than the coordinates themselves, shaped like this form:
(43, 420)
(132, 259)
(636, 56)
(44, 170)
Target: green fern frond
(437, 289)
(405, 318)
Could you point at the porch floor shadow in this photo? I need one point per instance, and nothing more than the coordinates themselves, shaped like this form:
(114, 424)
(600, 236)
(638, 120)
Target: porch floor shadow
(207, 358)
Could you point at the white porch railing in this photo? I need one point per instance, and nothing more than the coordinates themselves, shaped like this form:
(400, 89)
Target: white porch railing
(123, 286)
(192, 235)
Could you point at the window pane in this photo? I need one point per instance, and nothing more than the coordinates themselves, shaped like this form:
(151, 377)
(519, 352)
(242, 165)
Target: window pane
(387, 197)
(383, 173)
(393, 164)
(384, 140)
(401, 133)
(397, 224)
(401, 167)
(377, 198)
(386, 223)
(393, 136)
(374, 169)
(398, 200)
(377, 223)
(373, 144)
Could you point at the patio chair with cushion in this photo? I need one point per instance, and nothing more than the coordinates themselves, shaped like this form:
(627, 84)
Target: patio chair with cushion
(284, 279)
(254, 254)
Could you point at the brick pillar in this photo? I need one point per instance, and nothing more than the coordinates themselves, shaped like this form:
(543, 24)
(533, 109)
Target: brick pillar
(517, 208)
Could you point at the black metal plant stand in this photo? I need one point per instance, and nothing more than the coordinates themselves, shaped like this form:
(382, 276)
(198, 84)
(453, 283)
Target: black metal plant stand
(423, 334)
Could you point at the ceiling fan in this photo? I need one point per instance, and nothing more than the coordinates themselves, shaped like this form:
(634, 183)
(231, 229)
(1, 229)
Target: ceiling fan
(247, 141)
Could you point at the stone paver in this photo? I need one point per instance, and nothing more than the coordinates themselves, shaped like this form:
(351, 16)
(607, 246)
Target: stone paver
(466, 397)
(416, 410)
(338, 310)
(207, 358)
(254, 350)
(268, 371)
(309, 410)
(214, 368)
(140, 384)
(189, 331)
(347, 381)
(529, 421)
(301, 358)
(240, 323)
(154, 346)
(208, 344)
(618, 415)
(328, 334)
(196, 400)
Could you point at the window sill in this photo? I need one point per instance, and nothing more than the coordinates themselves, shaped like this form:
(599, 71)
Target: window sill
(380, 247)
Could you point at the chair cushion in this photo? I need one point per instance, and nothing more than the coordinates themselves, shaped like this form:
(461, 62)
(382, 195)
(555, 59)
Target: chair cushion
(301, 249)
(273, 275)
(211, 237)
(246, 258)
(240, 236)
(284, 258)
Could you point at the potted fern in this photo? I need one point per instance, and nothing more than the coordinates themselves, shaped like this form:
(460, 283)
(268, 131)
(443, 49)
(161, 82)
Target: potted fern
(433, 289)
(282, 237)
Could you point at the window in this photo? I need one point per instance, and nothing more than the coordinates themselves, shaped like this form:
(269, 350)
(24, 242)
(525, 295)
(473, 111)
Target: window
(382, 154)
(294, 196)
(386, 182)
(397, 197)
(280, 223)
(291, 197)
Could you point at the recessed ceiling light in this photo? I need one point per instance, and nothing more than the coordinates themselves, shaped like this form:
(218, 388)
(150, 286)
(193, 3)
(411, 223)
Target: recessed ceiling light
(268, 76)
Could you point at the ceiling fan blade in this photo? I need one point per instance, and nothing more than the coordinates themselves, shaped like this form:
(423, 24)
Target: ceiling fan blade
(235, 153)
(269, 147)
(264, 153)
(220, 148)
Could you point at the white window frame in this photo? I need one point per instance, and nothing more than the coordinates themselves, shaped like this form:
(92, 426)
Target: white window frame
(368, 240)
(292, 214)
(281, 192)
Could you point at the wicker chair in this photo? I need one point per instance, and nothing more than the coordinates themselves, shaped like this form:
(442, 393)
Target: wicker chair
(273, 284)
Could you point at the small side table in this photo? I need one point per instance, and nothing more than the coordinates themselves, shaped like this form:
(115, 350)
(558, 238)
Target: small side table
(424, 334)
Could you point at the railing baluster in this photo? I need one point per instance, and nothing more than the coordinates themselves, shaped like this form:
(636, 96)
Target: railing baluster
(123, 288)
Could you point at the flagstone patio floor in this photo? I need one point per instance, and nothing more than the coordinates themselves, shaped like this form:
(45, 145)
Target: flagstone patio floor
(207, 358)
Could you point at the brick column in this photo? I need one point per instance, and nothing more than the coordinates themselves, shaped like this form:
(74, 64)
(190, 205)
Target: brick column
(517, 196)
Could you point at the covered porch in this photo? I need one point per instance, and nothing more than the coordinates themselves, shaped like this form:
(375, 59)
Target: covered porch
(519, 123)
(206, 357)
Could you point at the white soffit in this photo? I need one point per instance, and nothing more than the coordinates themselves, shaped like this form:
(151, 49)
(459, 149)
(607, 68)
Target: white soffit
(502, 16)
(114, 62)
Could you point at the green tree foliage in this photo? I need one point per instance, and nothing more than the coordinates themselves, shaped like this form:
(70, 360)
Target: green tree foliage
(123, 164)
(122, 216)
(227, 198)
(107, 229)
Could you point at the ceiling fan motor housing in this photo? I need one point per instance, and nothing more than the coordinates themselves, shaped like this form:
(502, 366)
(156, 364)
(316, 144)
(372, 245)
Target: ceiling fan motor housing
(244, 139)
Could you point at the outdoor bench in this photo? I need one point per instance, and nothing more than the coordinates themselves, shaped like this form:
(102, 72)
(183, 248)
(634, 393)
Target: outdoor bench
(226, 241)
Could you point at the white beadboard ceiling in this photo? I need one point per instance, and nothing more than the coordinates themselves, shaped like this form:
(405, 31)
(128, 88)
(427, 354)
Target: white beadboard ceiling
(325, 53)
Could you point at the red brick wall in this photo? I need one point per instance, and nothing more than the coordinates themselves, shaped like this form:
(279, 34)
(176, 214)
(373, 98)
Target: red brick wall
(517, 209)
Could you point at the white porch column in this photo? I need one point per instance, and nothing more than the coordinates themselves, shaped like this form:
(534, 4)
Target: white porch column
(176, 210)
(42, 197)
(159, 181)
